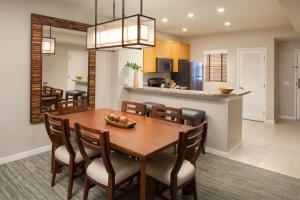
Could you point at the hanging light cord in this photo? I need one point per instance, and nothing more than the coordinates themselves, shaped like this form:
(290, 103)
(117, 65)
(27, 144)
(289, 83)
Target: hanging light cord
(50, 32)
(96, 21)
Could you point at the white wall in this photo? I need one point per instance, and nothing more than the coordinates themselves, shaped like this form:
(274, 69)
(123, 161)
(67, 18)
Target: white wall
(286, 81)
(246, 39)
(55, 67)
(17, 134)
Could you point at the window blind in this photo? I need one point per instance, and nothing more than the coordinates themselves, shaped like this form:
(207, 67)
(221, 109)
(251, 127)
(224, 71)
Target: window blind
(216, 67)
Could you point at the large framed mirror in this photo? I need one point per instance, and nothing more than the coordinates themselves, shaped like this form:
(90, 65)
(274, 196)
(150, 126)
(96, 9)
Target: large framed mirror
(61, 67)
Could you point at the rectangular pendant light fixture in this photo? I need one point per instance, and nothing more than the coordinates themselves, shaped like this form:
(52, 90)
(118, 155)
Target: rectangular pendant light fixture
(136, 31)
(48, 45)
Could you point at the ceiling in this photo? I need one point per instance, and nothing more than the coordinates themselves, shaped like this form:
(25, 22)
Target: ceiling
(291, 8)
(243, 14)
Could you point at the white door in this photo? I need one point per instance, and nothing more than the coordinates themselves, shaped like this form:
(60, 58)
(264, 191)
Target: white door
(298, 84)
(252, 64)
(77, 66)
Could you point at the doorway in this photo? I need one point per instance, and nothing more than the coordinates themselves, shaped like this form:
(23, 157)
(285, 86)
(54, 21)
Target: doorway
(251, 76)
(77, 62)
(297, 78)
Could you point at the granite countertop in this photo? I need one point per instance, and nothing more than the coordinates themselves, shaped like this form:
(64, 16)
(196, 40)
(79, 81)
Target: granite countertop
(190, 93)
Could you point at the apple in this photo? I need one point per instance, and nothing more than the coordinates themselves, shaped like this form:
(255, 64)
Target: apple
(117, 118)
(123, 120)
(111, 117)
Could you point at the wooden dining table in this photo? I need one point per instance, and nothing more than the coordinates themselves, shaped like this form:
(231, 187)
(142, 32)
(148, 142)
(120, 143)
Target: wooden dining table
(148, 137)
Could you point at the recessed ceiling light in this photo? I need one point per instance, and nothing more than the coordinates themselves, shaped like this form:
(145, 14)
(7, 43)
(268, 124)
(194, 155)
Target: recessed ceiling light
(221, 10)
(164, 20)
(184, 29)
(190, 15)
(227, 24)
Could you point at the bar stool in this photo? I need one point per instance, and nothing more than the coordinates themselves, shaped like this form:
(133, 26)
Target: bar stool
(149, 106)
(74, 94)
(84, 96)
(193, 117)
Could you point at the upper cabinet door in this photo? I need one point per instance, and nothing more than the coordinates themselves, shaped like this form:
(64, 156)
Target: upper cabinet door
(149, 59)
(184, 53)
(159, 48)
(168, 47)
(175, 50)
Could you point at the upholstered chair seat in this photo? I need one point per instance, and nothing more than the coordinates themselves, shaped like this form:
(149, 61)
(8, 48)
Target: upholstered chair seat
(161, 166)
(62, 154)
(124, 167)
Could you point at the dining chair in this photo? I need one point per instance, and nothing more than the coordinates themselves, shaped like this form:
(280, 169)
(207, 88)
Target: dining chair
(167, 113)
(109, 171)
(65, 151)
(67, 107)
(179, 171)
(133, 107)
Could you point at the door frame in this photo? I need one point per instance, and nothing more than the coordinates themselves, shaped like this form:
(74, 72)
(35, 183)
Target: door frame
(296, 68)
(265, 75)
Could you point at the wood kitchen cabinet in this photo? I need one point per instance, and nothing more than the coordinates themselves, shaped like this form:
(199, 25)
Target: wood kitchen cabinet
(165, 49)
(149, 58)
(184, 51)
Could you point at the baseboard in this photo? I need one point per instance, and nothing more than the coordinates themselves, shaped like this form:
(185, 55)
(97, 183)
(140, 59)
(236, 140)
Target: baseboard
(25, 154)
(269, 121)
(216, 152)
(286, 117)
(235, 147)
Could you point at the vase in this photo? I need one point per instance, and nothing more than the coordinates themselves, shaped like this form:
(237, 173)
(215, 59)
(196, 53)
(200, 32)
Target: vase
(136, 79)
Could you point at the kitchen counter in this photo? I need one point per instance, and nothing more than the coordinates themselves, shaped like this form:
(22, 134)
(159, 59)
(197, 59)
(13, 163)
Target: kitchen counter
(223, 112)
(188, 93)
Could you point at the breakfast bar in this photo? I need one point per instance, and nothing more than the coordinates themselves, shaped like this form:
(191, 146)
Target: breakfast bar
(223, 112)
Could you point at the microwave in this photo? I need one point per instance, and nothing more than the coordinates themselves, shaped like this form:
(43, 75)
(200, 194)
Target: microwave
(164, 65)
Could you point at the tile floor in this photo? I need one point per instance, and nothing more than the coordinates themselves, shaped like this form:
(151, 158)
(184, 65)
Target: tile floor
(272, 147)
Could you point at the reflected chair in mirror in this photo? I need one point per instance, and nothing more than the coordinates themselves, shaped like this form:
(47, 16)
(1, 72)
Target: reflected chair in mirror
(65, 151)
(50, 98)
(167, 113)
(67, 107)
(176, 172)
(111, 170)
(133, 108)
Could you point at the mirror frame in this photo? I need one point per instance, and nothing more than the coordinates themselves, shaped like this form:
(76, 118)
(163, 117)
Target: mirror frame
(37, 23)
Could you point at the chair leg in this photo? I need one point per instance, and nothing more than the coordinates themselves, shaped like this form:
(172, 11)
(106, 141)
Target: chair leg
(71, 179)
(86, 189)
(52, 158)
(194, 185)
(54, 171)
(110, 193)
(173, 192)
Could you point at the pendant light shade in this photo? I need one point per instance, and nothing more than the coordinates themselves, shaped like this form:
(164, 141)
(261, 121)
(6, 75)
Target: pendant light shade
(48, 45)
(136, 31)
(139, 31)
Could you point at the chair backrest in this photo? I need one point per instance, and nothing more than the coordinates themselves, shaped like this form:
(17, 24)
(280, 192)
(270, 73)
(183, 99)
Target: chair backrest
(191, 144)
(58, 92)
(167, 113)
(67, 107)
(58, 130)
(47, 90)
(133, 107)
(98, 141)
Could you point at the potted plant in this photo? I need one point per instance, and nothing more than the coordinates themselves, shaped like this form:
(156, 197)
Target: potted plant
(136, 68)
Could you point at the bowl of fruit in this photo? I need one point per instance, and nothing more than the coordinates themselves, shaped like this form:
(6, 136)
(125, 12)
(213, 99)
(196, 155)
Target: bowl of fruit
(120, 121)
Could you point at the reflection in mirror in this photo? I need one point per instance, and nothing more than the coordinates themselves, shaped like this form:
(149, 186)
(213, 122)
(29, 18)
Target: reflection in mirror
(64, 74)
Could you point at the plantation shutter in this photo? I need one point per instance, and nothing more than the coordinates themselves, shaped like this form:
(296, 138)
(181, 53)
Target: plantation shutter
(216, 67)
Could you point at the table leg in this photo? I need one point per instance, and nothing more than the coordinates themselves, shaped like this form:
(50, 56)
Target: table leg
(143, 180)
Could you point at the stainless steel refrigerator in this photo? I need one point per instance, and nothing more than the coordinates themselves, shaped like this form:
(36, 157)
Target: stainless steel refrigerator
(190, 75)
